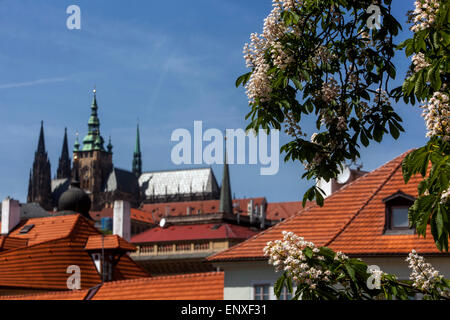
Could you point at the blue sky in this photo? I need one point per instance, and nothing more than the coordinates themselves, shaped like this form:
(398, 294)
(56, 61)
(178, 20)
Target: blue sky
(166, 63)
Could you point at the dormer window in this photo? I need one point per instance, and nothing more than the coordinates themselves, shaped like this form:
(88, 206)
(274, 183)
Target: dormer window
(399, 217)
(397, 206)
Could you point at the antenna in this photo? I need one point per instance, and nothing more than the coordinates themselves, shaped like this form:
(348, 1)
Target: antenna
(344, 175)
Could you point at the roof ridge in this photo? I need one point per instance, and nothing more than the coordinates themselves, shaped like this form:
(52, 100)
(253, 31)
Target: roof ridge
(375, 192)
(171, 170)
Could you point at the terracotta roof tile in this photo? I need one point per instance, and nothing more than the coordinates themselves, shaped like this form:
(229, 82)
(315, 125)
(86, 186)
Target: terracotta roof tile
(54, 244)
(56, 295)
(135, 214)
(352, 220)
(206, 231)
(96, 242)
(160, 210)
(197, 286)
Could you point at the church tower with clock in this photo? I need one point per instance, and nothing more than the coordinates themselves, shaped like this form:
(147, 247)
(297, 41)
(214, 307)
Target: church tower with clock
(92, 164)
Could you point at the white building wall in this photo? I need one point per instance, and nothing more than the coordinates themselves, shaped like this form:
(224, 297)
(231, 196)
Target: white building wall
(240, 277)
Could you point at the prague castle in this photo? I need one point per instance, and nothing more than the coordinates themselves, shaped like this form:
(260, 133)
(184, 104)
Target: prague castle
(92, 166)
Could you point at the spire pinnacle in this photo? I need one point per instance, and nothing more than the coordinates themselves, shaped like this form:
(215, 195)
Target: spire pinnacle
(137, 157)
(64, 161)
(41, 143)
(226, 203)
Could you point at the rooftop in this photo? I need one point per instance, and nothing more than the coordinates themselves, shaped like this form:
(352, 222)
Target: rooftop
(197, 286)
(205, 231)
(352, 220)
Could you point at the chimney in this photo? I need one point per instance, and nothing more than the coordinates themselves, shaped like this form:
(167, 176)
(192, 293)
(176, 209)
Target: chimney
(10, 215)
(250, 210)
(121, 223)
(263, 216)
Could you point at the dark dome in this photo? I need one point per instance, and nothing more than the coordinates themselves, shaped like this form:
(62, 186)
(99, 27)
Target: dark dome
(75, 199)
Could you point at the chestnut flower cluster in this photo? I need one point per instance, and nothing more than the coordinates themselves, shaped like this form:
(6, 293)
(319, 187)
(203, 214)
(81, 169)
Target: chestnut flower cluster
(423, 274)
(382, 97)
(258, 86)
(437, 115)
(288, 255)
(324, 55)
(330, 90)
(424, 14)
(419, 62)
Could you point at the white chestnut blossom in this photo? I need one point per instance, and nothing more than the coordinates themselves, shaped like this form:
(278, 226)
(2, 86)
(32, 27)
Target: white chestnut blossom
(330, 90)
(287, 255)
(419, 62)
(382, 97)
(423, 274)
(258, 86)
(424, 14)
(437, 115)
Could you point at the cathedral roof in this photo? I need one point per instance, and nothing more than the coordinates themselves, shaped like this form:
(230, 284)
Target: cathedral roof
(121, 180)
(160, 183)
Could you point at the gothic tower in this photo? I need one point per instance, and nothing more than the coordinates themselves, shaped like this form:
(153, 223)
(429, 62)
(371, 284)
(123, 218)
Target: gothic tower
(92, 164)
(137, 157)
(39, 188)
(64, 161)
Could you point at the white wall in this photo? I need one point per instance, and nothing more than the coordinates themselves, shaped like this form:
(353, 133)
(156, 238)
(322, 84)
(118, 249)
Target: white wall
(240, 277)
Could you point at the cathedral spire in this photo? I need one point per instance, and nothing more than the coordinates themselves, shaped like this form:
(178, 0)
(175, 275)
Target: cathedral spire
(226, 204)
(41, 143)
(93, 140)
(64, 161)
(137, 157)
(39, 188)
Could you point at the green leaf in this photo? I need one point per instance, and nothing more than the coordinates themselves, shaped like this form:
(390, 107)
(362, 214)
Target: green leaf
(308, 252)
(243, 79)
(393, 130)
(279, 284)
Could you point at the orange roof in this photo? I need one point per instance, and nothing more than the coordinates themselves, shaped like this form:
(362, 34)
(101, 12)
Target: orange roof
(96, 242)
(135, 214)
(55, 243)
(46, 229)
(202, 231)
(56, 295)
(195, 286)
(160, 210)
(352, 220)
(7, 243)
(284, 210)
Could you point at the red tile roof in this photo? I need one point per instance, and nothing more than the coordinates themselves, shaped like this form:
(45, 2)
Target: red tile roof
(284, 210)
(135, 214)
(55, 243)
(352, 220)
(96, 242)
(196, 286)
(160, 210)
(54, 295)
(206, 231)
(7, 243)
